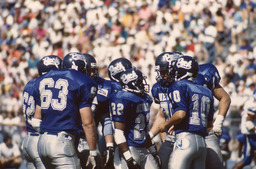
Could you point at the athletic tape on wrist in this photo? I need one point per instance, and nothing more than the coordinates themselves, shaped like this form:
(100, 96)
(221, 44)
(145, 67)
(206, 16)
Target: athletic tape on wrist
(93, 152)
(119, 136)
(110, 144)
(127, 155)
(219, 120)
(151, 135)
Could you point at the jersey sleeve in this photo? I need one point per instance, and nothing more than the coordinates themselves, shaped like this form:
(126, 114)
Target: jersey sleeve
(88, 93)
(177, 94)
(154, 93)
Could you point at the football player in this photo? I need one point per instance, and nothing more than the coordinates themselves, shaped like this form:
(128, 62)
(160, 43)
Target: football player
(248, 128)
(100, 110)
(115, 69)
(30, 141)
(193, 111)
(64, 102)
(212, 78)
(165, 77)
(130, 110)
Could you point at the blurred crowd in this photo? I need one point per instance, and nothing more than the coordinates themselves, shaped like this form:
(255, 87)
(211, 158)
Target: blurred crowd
(222, 32)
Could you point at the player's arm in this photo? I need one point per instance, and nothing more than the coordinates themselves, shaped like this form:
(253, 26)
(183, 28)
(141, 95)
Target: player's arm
(89, 127)
(176, 118)
(224, 103)
(35, 122)
(123, 146)
(224, 99)
(160, 119)
(109, 139)
(90, 134)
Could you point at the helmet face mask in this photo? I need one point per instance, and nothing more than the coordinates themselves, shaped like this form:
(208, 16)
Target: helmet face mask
(164, 67)
(91, 66)
(117, 66)
(133, 80)
(186, 67)
(47, 63)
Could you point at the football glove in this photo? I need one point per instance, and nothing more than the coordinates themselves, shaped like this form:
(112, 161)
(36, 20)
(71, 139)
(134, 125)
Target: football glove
(132, 164)
(109, 157)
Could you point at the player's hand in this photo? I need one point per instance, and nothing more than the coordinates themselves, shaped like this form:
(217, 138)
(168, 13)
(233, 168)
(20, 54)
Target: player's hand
(132, 164)
(217, 130)
(152, 149)
(109, 157)
(35, 123)
(161, 127)
(92, 159)
(217, 125)
(171, 130)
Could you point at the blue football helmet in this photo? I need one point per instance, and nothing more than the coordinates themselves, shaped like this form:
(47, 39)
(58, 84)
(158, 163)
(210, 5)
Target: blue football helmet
(134, 81)
(186, 67)
(91, 66)
(47, 63)
(117, 66)
(164, 67)
(76, 61)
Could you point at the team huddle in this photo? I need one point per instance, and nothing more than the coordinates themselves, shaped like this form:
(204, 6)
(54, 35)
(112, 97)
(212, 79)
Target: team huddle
(66, 103)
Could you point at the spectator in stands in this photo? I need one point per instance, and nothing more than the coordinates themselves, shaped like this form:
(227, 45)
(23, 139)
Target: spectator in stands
(9, 154)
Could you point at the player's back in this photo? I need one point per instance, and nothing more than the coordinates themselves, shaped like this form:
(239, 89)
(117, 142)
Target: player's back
(134, 111)
(29, 103)
(160, 96)
(211, 75)
(63, 93)
(196, 101)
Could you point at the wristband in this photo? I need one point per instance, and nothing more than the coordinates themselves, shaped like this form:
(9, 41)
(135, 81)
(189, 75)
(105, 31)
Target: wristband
(110, 144)
(219, 120)
(93, 153)
(127, 155)
(151, 135)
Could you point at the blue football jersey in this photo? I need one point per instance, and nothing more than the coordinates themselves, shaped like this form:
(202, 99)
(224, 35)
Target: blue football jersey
(160, 96)
(211, 75)
(105, 89)
(62, 93)
(29, 104)
(134, 111)
(116, 86)
(196, 101)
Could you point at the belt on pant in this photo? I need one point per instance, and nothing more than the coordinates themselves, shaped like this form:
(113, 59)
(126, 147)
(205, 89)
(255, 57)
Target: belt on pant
(33, 134)
(62, 133)
(170, 138)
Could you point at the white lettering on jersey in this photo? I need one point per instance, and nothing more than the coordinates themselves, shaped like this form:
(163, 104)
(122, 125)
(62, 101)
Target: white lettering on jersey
(103, 92)
(162, 97)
